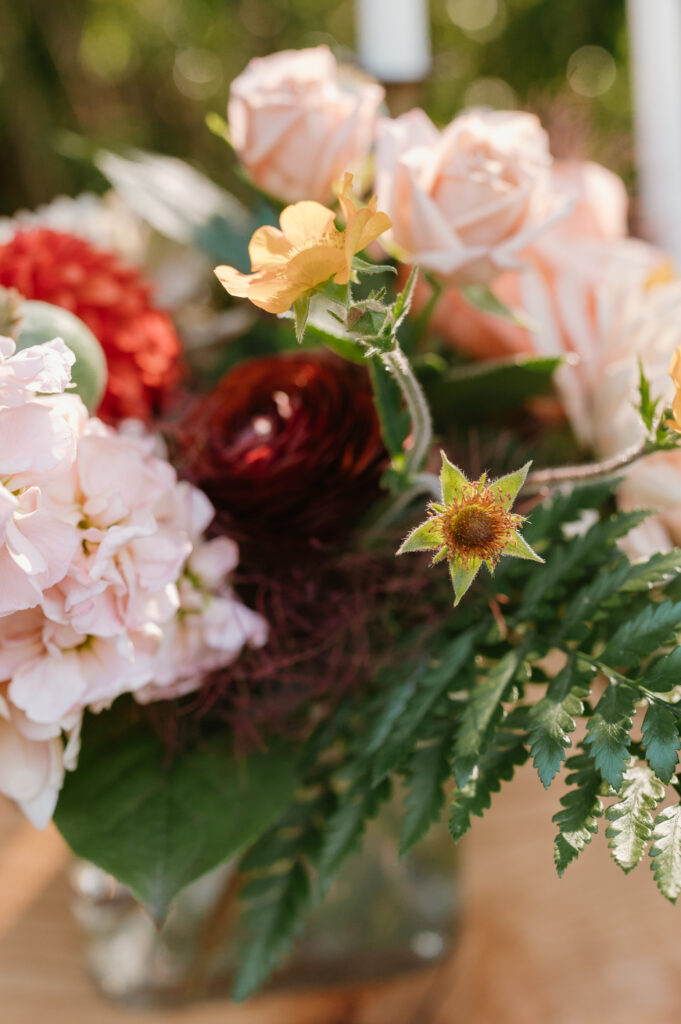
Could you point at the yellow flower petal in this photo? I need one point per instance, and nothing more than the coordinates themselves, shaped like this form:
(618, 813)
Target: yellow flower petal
(268, 247)
(306, 222)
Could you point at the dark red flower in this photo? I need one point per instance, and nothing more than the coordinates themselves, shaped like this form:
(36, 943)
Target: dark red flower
(139, 341)
(288, 448)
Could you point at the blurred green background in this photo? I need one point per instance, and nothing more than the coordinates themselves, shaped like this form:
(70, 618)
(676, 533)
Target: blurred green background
(78, 74)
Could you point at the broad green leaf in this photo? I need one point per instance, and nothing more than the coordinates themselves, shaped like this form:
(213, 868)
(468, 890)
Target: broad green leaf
(498, 764)
(552, 719)
(608, 732)
(661, 740)
(641, 635)
(582, 806)
(666, 852)
(482, 710)
(424, 779)
(158, 828)
(631, 816)
(182, 204)
(459, 393)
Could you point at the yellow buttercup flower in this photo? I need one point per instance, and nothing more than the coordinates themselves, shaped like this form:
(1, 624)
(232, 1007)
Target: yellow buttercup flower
(307, 251)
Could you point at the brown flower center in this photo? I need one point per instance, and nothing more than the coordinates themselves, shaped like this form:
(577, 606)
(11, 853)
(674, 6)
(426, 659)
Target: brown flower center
(472, 528)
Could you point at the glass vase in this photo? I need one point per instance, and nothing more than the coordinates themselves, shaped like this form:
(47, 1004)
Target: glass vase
(382, 917)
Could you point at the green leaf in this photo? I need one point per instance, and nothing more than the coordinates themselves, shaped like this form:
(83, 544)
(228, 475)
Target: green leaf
(608, 732)
(424, 778)
(518, 547)
(394, 418)
(403, 302)
(274, 923)
(639, 636)
(582, 807)
(346, 826)
(481, 712)
(496, 386)
(425, 537)
(666, 852)
(647, 406)
(442, 673)
(590, 599)
(664, 674)
(497, 765)
(365, 267)
(571, 560)
(631, 816)
(462, 577)
(452, 481)
(552, 718)
(182, 204)
(484, 300)
(158, 828)
(301, 309)
(659, 568)
(507, 487)
(661, 740)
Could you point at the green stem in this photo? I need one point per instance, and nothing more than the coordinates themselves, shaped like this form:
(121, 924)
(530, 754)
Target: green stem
(422, 428)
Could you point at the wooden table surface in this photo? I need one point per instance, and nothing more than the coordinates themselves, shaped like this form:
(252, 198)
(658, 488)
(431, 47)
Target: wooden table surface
(594, 948)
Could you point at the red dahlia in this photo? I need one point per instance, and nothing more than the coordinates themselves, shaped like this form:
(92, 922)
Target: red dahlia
(288, 448)
(141, 347)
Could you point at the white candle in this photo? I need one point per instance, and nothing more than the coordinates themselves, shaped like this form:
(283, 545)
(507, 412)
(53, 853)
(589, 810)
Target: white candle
(393, 39)
(655, 42)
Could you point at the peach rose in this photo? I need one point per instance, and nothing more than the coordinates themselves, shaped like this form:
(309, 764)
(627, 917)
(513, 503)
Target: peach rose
(296, 128)
(465, 201)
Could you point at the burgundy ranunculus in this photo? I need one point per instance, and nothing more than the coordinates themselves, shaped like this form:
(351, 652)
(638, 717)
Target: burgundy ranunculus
(288, 448)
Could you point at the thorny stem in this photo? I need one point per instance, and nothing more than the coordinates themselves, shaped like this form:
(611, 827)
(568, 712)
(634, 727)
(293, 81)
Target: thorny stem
(543, 478)
(422, 429)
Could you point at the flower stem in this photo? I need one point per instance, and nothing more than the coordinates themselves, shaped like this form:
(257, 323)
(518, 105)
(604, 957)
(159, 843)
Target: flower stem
(543, 478)
(422, 428)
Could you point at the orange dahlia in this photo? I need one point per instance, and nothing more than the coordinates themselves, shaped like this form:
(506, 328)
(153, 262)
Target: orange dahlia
(141, 347)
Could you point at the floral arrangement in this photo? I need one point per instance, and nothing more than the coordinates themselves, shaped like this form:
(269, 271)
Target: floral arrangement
(208, 647)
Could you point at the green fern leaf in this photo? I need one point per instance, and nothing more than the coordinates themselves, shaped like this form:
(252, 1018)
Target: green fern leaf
(552, 719)
(664, 674)
(432, 683)
(424, 779)
(631, 816)
(346, 826)
(666, 852)
(661, 740)
(273, 921)
(642, 634)
(608, 732)
(660, 567)
(582, 807)
(482, 710)
(497, 765)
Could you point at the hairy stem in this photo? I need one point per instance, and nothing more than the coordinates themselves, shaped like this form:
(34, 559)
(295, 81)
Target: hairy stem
(422, 429)
(543, 478)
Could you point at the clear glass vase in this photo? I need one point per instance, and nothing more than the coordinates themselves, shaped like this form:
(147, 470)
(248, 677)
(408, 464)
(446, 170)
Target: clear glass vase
(383, 916)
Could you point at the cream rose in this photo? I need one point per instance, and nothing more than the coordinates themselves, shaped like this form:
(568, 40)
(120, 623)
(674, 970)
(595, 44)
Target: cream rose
(465, 201)
(296, 128)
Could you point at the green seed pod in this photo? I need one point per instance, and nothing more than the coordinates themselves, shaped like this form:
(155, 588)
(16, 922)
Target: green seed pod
(41, 321)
